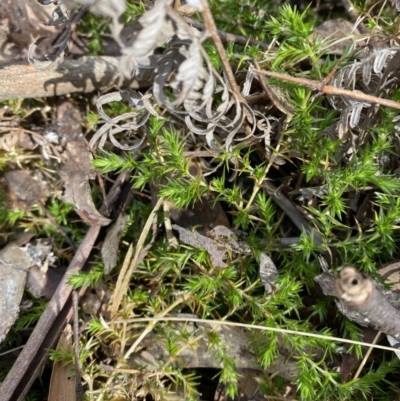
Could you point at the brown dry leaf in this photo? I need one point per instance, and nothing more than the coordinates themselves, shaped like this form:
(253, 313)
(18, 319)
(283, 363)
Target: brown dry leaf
(16, 138)
(14, 265)
(201, 242)
(76, 173)
(110, 246)
(268, 272)
(77, 169)
(62, 386)
(78, 192)
(23, 189)
(41, 284)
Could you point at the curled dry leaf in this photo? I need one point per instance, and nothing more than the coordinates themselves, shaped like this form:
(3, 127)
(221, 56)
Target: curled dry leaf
(184, 68)
(77, 168)
(370, 74)
(60, 15)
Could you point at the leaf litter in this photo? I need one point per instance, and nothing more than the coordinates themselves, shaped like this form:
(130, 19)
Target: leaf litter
(185, 88)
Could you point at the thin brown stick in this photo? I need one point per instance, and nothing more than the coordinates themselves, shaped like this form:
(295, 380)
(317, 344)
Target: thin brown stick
(78, 378)
(212, 29)
(277, 103)
(12, 388)
(329, 89)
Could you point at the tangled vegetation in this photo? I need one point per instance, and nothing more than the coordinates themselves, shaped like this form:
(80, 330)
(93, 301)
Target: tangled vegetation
(295, 172)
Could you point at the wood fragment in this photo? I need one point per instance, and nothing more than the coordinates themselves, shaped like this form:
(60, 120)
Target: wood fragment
(85, 74)
(360, 294)
(62, 387)
(331, 90)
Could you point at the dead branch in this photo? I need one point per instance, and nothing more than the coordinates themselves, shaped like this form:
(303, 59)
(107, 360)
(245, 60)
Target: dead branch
(329, 89)
(359, 293)
(85, 74)
(212, 29)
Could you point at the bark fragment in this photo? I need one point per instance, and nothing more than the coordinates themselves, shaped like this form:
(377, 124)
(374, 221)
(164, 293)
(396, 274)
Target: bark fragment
(360, 294)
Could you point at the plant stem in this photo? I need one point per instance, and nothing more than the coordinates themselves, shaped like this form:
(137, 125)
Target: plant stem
(329, 89)
(212, 29)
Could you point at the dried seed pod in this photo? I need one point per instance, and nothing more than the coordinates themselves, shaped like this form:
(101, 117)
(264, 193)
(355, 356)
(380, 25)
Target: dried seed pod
(359, 293)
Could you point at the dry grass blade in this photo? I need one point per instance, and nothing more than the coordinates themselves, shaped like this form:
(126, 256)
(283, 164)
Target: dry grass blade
(253, 327)
(126, 273)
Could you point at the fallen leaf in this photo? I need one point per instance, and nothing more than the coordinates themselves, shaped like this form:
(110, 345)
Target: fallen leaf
(23, 189)
(14, 265)
(77, 168)
(110, 247)
(199, 241)
(16, 138)
(62, 385)
(268, 272)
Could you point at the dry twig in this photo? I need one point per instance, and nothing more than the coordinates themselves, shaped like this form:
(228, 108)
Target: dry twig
(211, 27)
(330, 90)
(358, 291)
